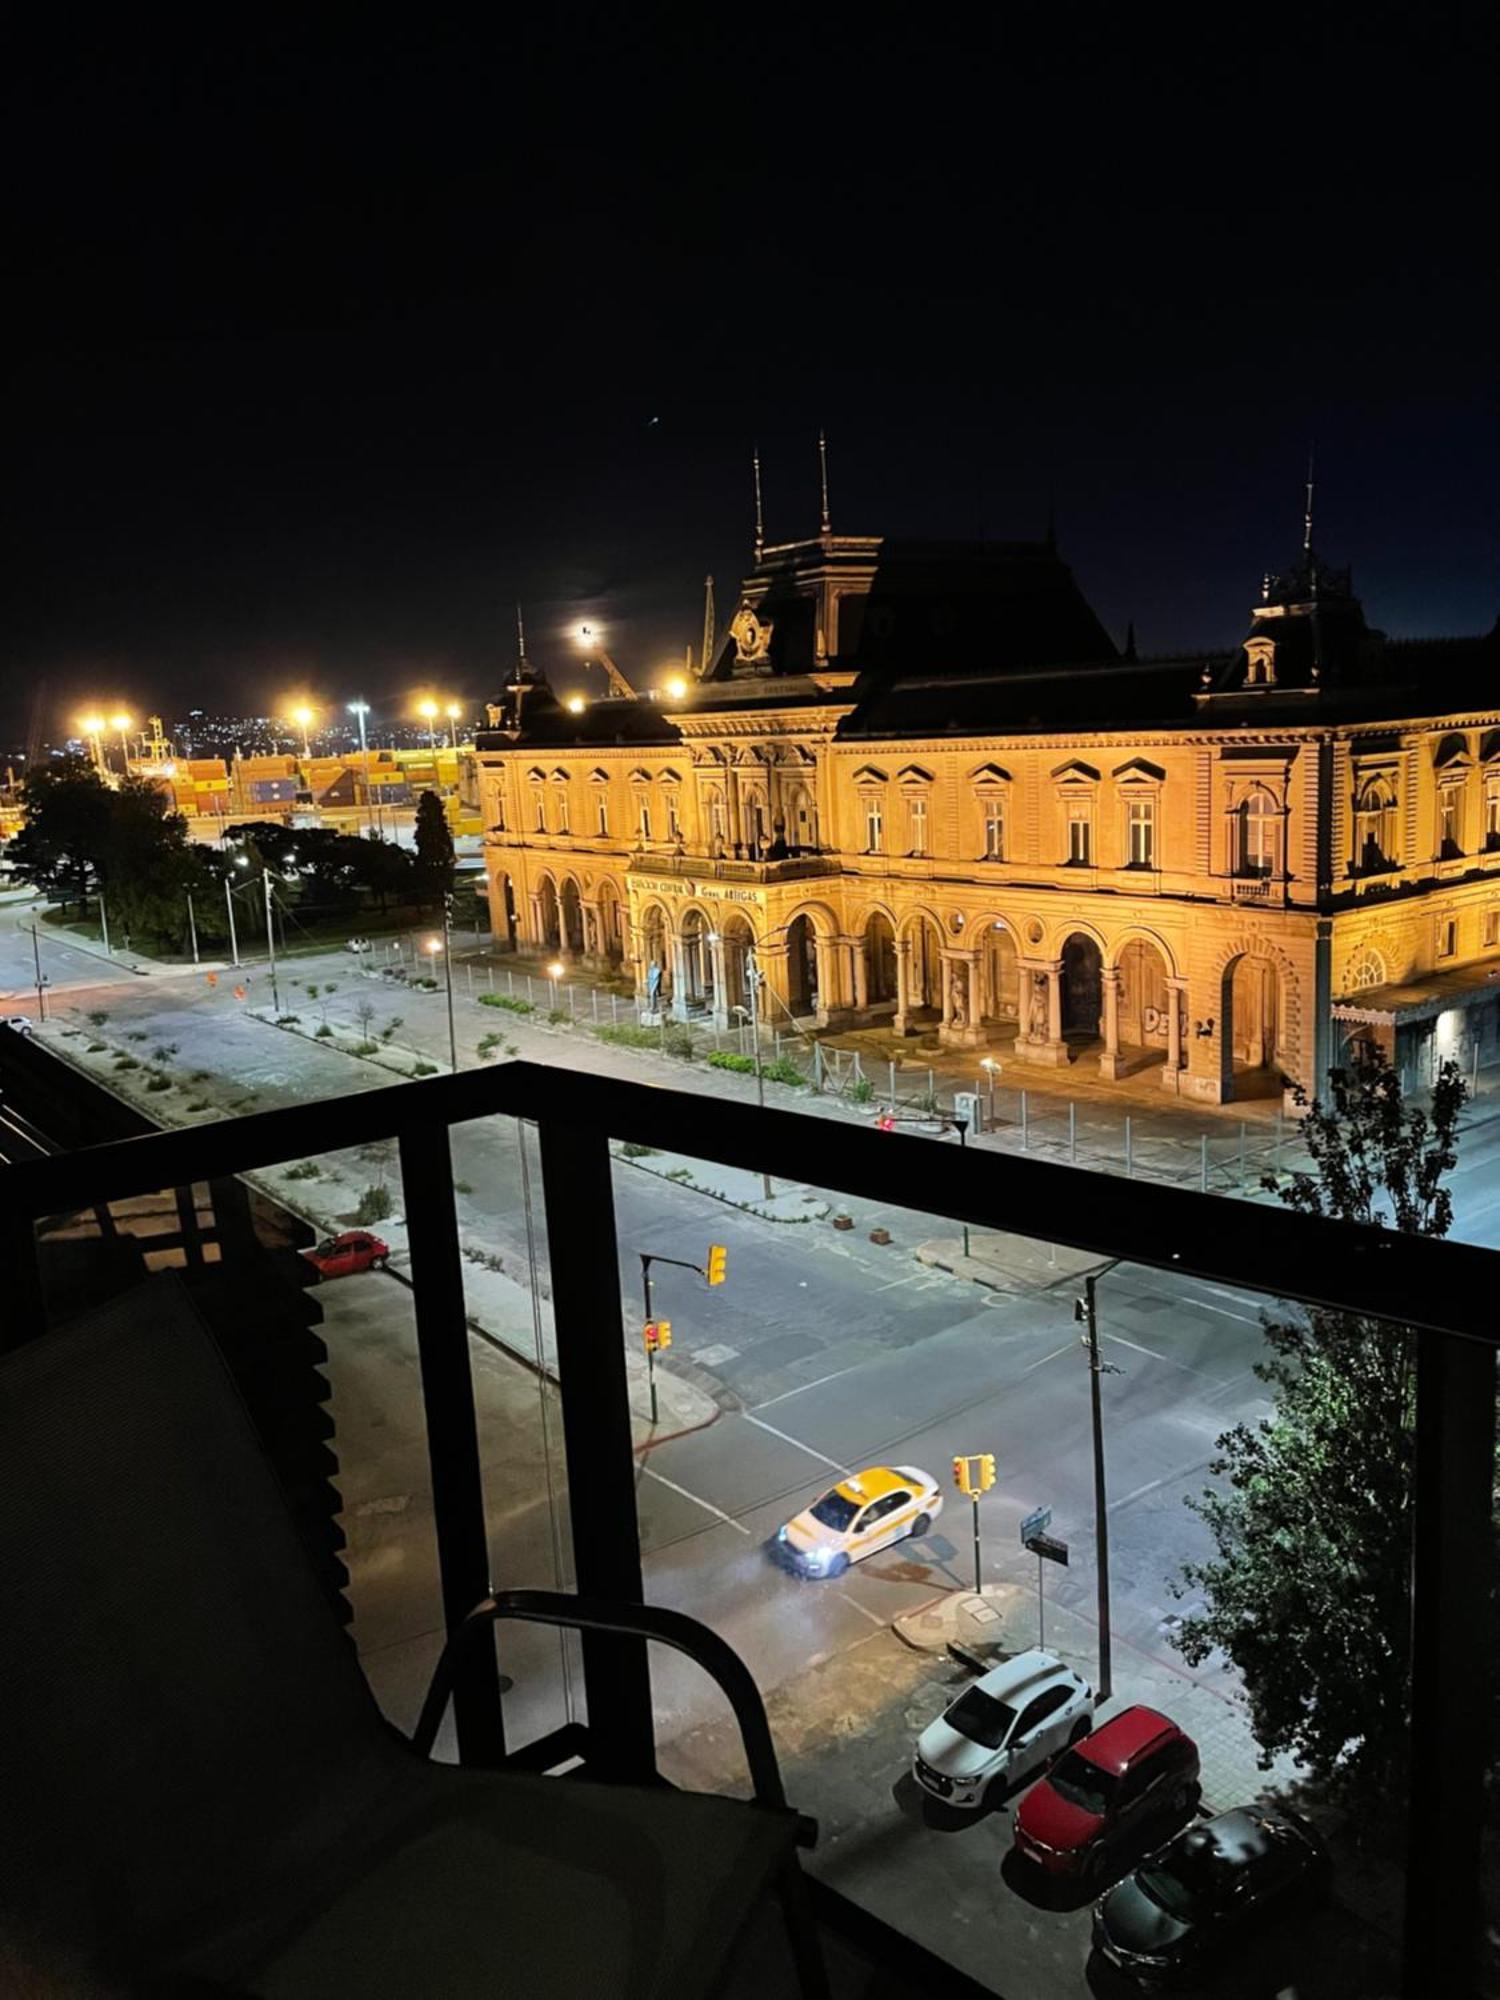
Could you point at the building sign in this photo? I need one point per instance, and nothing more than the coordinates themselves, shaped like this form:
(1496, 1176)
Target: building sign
(676, 886)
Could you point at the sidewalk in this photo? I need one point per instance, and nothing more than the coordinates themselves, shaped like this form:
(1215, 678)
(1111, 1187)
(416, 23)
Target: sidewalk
(790, 1201)
(1006, 1263)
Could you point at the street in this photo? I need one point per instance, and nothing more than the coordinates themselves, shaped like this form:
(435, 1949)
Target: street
(823, 1352)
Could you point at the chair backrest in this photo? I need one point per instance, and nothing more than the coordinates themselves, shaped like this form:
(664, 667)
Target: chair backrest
(181, 1717)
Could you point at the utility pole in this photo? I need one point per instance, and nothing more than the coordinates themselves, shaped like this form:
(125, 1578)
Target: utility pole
(41, 984)
(752, 968)
(234, 943)
(271, 937)
(193, 928)
(963, 1132)
(448, 975)
(1085, 1310)
(103, 918)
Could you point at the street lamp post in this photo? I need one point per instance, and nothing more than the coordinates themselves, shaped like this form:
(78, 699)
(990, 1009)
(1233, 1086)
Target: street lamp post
(104, 920)
(271, 938)
(992, 1070)
(962, 1125)
(121, 723)
(1086, 1311)
(234, 943)
(192, 928)
(303, 717)
(446, 948)
(360, 709)
(752, 980)
(428, 711)
(453, 711)
(41, 984)
(93, 729)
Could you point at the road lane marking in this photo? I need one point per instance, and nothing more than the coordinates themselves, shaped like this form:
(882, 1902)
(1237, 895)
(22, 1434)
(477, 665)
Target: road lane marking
(787, 1438)
(697, 1499)
(1121, 1341)
(854, 1603)
(1066, 1348)
(1153, 1485)
(1223, 1311)
(806, 1385)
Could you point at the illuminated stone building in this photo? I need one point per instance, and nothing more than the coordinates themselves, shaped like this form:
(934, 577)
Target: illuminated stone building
(924, 789)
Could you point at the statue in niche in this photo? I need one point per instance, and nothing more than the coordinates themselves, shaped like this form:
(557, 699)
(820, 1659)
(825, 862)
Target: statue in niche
(958, 998)
(1037, 1026)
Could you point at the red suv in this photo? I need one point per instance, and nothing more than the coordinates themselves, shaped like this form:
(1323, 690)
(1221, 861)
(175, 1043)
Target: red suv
(355, 1250)
(1136, 1768)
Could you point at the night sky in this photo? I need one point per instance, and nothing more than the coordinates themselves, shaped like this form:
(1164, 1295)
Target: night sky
(332, 341)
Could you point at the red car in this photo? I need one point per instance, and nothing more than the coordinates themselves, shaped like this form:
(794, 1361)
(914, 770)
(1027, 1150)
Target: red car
(1136, 1769)
(355, 1250)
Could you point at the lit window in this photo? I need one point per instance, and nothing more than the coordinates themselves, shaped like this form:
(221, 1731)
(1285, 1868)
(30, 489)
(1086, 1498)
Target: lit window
(1492, 817)
(1376, 827)
(1080, 832)
(1492, 926)
(994, 830)
(1141, 829)
(917, 813)
(645, 820)
(1258, 818)
(601, 815)
(539, 811)
(874, 827)
(562, 813)
(674, 825)
(1450, 822)
(500, 812)
(716, 817)
(1447, 941)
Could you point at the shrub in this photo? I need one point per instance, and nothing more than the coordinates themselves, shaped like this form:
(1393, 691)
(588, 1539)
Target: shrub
(323, 1034)
(305, 1170)
(682, 1174)
(728, 1059)
(508, 1001)
(200, 1076)
(861, 1090)
(631, 1151)
(99, 1015)
(559, 1016)
(287, 1020)
(628, 1036)
(164, 1051)
(784, 1070)
(396, 1021)
(136, 1035)
(364, 1048)
(512, 1048)
(374, 1205)
(156, 1081)
(423, 984)
(462, 1187)
(486, 1046)
(331, 987)
(311, 990)
(126, 1062)
(97, 1048)
(680, 1042)
(199, 1104)
(424, 1069)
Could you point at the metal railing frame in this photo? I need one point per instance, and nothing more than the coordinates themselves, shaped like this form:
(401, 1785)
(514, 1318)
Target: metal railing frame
(1444, 1291)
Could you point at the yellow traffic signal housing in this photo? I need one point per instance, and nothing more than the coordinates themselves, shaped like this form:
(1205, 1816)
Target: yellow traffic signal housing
(986, 1471)
(718, 1257)
(658, 1334)
(961, 1475)
(974, 1474)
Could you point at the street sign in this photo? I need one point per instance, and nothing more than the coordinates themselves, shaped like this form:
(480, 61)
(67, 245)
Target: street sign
(1050, 1548)
(1034, 1523)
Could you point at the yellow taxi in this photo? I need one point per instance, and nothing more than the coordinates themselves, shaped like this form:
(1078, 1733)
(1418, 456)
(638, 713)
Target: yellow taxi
(867, 1511)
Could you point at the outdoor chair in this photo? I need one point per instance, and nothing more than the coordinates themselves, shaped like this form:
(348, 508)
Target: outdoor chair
(197, 1791)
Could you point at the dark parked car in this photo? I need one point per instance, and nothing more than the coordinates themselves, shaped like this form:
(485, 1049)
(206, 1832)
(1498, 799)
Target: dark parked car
(1210, 1889)
(1137, 1771)
(355, 1250)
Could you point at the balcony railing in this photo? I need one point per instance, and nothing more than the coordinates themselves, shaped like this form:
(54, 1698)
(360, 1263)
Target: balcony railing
(1252, 888)
(1443, 1291)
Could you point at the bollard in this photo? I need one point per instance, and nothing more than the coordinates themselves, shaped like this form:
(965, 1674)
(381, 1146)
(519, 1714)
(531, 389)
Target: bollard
(596, 1006)
(1203, 1164)
(1023, 1121)
(529, 994)
(614, 1010)
(510, 982)
(893, 1083)
(1129, 1161)
(1072, 1132)
(572, 1003)
(469, 976)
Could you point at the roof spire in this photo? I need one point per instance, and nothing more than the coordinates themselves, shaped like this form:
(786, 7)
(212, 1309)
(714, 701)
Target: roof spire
(521, 640)
(823, 471)
(708, 624)
(1307, 517)
(760, 525)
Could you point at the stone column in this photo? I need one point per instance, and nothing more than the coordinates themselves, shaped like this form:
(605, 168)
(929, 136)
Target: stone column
(960, 1028)
(1171, 1074)
(721, 993)
(946, 967)
(536, 919)
(861, 971)
(1054, 1002)
(903, 985)
(1109, 1061)
(679, 1007)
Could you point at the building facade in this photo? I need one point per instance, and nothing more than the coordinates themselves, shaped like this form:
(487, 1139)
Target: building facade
(917, 787)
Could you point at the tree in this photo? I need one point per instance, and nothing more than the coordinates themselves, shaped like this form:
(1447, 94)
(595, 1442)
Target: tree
(151, 865)
(1308, 1591)
(67, 830)
(434, 849)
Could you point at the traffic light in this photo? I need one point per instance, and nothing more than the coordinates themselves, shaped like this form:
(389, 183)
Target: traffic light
(718, 1257)
(658, 1334)
(986, 1471)
(974, 1474)
(961, 1475)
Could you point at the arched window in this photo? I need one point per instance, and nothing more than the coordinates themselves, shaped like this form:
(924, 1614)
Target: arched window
(1366, 969)
(1257, 833)
(1375, 827)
